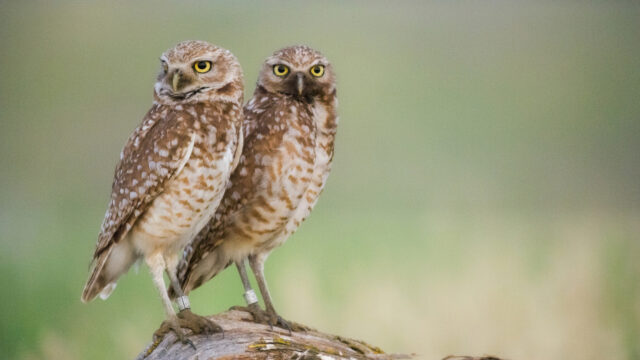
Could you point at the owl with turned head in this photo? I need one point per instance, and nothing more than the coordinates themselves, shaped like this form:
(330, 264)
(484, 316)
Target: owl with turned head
(289, 125)
(172, 174)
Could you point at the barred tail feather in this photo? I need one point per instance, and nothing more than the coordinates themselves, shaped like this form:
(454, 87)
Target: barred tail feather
(96, 282)
(108, 267)
(206, 268)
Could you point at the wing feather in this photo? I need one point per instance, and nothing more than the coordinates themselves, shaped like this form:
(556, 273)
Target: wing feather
(157, 151)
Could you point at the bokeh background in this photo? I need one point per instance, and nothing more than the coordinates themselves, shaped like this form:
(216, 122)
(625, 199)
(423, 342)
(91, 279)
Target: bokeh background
(485, 197)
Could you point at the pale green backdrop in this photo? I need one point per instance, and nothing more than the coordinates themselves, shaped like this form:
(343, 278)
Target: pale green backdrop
(485, 196)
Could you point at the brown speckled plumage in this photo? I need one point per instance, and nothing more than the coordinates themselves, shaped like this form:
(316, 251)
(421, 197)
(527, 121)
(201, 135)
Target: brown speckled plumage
(174, 168)
(289, 140)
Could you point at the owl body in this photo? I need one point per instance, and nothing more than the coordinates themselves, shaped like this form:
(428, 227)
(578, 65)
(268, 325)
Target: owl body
(174, 168)
(190, 199)
(325, 119)
(273, 175)
(285, 162)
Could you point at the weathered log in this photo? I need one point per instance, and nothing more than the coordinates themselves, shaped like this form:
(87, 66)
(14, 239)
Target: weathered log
(244, 339)
(486, 357)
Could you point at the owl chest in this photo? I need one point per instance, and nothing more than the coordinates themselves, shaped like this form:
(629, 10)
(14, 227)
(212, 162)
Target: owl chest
(189, 199)
(289, 175)
(291, 167)
(317, 176)
(279, 185)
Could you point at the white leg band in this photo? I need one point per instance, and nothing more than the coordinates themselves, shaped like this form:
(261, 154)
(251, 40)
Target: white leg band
(183, 303)
(250, 297)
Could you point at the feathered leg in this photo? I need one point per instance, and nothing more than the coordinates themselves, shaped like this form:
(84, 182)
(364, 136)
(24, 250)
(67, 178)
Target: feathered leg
(157, 266)
(196, 323)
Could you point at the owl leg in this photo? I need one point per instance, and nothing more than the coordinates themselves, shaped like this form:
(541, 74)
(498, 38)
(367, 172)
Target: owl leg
(157, 266)
(259, 315)
(257, 265)
(196, 323)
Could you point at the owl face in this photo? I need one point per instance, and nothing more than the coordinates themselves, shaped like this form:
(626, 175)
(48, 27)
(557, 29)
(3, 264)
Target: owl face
(298, 71)
(193, 70)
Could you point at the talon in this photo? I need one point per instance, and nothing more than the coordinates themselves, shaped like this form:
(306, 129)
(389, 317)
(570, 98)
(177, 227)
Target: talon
(188, 341)
(284, 324)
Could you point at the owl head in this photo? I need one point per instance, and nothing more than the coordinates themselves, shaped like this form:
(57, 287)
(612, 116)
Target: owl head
(298, 71)
(195, 71)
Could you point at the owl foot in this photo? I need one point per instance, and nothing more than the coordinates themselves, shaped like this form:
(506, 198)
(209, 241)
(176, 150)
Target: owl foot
(170, 325)
(178, 325)
(263, 317)
(198, 324)
(259, 315)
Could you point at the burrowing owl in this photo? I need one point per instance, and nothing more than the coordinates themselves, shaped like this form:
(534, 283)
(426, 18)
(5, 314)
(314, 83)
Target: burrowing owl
(290, 126)
(172, 172)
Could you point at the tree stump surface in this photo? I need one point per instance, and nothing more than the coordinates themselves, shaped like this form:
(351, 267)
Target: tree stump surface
(246, 340)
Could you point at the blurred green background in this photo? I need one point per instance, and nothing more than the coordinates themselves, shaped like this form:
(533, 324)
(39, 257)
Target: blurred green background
(485, 197)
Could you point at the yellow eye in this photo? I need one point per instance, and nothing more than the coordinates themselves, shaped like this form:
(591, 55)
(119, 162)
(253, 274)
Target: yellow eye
(317, 70)
(202, 66)
(280, 70)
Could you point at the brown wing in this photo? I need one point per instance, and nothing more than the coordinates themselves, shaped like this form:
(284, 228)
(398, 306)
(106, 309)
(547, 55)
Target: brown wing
(155, 152)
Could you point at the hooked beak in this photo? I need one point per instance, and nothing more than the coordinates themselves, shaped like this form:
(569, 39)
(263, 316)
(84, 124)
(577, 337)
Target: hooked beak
(300, 83)
(175, 81)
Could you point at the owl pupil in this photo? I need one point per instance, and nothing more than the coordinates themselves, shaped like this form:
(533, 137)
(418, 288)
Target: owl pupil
(202, 64)
(280, 68)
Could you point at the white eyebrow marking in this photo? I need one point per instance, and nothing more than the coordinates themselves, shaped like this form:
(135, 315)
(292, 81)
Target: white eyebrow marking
(276, 61)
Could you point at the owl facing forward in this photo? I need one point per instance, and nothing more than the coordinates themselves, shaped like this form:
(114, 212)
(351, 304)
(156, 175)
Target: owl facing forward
(172, 174)
(290, 125)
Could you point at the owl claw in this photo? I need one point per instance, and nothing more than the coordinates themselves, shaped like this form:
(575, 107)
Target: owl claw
(289, 325)
(280, 322)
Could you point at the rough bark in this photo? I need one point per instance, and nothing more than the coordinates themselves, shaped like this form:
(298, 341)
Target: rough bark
(244, 339)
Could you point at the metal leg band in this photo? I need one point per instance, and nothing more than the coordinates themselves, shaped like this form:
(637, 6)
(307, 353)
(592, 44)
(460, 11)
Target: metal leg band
(183, 303)
(250, 297)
